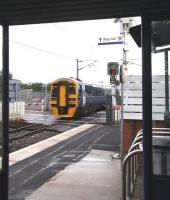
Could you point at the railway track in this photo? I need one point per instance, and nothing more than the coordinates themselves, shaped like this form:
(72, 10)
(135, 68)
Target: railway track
(32, 133)
(14, 130)
(39, 127)
(23, 133)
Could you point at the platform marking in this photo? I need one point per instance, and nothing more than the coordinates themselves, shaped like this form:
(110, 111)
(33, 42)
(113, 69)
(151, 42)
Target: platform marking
(45, 144)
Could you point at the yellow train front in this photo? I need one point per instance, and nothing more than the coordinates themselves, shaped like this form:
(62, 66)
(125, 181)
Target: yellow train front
(70, 97)
(64, 97)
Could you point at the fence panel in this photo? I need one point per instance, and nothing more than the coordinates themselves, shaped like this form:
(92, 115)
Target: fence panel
(16, 110)
(132, 99)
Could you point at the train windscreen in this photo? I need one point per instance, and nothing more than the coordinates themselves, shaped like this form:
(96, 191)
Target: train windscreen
(54, 91)
(72, 89)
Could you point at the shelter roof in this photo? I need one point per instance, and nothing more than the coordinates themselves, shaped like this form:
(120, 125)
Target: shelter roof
(16, 12)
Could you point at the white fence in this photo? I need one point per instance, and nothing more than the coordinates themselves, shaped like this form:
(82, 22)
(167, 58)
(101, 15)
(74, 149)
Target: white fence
(16, 110)
(132, 100)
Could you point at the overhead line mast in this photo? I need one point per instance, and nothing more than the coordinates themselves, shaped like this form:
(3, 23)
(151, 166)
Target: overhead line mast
(80, 68)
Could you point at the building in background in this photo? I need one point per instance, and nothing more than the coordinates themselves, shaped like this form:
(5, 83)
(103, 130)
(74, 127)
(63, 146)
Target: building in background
(14, 90)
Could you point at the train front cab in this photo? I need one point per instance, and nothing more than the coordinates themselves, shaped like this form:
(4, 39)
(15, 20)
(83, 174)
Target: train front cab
(64, 99)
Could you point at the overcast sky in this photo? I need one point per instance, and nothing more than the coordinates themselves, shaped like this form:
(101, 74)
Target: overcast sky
(45, 52)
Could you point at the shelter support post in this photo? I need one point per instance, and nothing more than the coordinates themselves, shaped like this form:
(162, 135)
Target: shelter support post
(5, 111)
(147, 103)
(166, 83)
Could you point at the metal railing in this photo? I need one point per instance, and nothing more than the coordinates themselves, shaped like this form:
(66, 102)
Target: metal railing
(131, 161)
(131, 166)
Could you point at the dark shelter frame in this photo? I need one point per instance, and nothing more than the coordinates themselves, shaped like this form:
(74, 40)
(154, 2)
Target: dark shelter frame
(16, 12)
(5, 113)
(147, 104)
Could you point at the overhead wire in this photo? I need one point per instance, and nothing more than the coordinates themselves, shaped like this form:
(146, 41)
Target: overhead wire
(41, 50)
(47, 51)
(134, 63)
(54, 53)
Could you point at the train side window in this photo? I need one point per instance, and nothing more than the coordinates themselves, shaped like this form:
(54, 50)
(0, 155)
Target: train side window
(72, 89)
(96, 92)
(54, 91)
(89, 90)
(100, 92)
(80, 90)
(86, 89)
(93, 92)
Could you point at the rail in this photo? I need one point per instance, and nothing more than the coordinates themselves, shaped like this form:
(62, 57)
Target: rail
(131, 161)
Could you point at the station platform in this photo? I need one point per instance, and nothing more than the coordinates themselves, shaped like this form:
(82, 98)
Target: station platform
(61, 168)
(96, 177)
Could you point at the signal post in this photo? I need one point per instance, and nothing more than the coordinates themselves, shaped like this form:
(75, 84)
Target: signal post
(112, 71)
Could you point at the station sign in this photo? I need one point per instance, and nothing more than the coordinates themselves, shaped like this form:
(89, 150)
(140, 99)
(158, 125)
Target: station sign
(110, 40)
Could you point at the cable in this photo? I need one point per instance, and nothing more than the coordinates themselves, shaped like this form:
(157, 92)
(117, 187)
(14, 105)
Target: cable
(46, 51)
(134, 63)
(41, 50)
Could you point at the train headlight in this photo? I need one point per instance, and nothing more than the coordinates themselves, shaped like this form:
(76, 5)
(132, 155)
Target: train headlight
(72, 99)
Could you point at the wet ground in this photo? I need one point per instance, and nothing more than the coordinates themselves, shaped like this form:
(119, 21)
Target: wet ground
(39, 117)
(48, 118)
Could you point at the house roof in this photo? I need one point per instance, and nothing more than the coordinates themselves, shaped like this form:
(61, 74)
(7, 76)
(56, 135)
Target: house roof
(16, 12)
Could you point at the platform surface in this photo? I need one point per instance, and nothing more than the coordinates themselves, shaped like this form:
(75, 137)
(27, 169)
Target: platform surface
(45, 144)
(75, 165)
(96, 177)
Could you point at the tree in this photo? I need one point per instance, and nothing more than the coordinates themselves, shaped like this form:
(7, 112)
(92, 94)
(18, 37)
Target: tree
(35, 86)
(10, 75)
